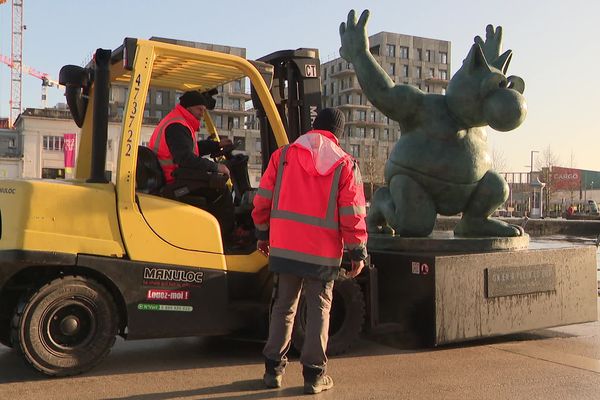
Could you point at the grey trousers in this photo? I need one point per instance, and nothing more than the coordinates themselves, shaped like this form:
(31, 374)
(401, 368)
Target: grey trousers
(318, 295)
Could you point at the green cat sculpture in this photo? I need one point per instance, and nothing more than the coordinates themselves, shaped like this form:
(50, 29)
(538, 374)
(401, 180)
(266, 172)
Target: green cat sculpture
(440, 164)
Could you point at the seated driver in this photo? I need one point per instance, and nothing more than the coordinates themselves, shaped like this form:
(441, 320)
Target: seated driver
(174, 142)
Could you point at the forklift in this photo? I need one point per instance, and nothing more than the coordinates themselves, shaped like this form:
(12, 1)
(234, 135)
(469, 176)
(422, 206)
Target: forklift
(86, 259)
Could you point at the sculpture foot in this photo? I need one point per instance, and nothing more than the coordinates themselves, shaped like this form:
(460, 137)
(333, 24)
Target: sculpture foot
(486, 227)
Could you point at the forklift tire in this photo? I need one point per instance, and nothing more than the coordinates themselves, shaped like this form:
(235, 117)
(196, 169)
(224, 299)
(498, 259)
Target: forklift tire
(66, 327)
(346, 318)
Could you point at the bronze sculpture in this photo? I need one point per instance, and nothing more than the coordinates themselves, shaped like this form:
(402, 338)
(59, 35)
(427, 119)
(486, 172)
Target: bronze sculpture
(440, 163)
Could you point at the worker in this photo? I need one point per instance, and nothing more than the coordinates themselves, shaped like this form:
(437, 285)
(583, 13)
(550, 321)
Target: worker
(309, 206)
(174, 142)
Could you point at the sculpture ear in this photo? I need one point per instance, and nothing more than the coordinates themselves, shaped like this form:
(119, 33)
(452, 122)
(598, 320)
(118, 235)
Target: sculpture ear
(475, 59)
(502, 61)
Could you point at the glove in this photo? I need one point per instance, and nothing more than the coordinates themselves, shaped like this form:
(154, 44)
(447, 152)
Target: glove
(263, 246)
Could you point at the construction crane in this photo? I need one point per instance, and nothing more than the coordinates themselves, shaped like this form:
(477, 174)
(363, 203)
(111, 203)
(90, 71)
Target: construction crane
(47, 81)
(16, 60)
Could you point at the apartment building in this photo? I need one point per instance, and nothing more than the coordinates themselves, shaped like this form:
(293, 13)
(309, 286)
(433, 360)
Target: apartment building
(421, 62)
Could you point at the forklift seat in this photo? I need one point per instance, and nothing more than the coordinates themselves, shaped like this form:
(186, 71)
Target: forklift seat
(149, 176)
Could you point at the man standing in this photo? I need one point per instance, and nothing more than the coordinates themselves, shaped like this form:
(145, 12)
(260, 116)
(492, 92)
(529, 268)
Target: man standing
(309, 206)
(174, 142)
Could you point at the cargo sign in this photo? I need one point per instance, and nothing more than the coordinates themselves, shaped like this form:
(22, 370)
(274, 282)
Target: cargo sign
(164, 307)
(565, 178)
(156, 294)
(509, 281)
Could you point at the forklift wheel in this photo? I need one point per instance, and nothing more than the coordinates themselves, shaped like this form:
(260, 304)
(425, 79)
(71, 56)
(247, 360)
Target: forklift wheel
(66, 327)
(346, 318)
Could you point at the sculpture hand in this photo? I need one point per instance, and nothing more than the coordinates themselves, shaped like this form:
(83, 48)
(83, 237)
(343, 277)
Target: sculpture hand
(493, 43)
(354, 36)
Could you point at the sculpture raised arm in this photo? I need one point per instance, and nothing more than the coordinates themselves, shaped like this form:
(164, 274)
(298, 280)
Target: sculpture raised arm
(396, 102)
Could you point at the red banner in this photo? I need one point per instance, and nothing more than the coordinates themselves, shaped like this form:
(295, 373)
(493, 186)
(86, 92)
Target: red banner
(565, 178)
(69, 150)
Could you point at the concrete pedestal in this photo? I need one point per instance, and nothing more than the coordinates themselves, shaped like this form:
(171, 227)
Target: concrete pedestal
(446, 297)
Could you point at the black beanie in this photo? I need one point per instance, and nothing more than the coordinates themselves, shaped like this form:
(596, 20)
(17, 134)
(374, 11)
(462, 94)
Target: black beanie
(195, 98)
(332, 120)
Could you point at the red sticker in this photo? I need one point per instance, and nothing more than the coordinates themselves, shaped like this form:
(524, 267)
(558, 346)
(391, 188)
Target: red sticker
(424, 269)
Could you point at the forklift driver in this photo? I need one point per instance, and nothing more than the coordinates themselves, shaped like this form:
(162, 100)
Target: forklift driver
(174, 143)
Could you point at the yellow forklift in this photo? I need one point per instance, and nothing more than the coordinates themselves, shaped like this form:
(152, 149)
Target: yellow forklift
(86, 259)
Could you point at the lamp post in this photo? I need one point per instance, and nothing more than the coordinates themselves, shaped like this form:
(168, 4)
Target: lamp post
(532, 152)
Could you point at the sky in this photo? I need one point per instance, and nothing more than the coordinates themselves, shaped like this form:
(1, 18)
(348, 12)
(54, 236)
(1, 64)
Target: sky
(554, 43)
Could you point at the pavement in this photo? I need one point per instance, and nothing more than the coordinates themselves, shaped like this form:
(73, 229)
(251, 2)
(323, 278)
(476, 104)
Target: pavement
(558, 363)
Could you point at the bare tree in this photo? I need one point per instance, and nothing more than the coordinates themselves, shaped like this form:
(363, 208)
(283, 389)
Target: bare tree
(499, 163)
(371, 169)
(572, 164)
(544, 164)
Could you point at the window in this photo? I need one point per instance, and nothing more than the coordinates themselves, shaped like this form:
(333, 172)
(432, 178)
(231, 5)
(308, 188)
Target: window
(427, 89)
(403, 52)
(355, 150)
(158, 114)
(443, 90)
(372, 133)
(432, 72)
(428, 55)
(405, 71)
(385, 134)
(237, 86)
(332, 87)
(360, 99)
(235, 104)
(54, 143)
(219, 103)
(339, 67)
(324, 73)
(360, 132)
(443, 74)
(362, 115)
(53, 173)
(390, 50)
(443, 57)
(368, 151)
(343, 84)
(257, 145)
(217, 120)
(420, 54)
(159, 97)
(348, 99)
(325, 89)
(392, 69)
(235, 122)
(418, 72)
(146, 113)
(12, 143)
(374, 116)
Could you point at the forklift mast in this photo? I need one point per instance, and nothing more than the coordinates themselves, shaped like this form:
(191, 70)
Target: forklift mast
(296, 90)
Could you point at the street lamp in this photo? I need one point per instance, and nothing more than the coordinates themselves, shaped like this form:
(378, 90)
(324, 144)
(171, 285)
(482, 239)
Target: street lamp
(530, 180)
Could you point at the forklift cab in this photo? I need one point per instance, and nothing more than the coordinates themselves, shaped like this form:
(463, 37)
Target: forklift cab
(154, 221)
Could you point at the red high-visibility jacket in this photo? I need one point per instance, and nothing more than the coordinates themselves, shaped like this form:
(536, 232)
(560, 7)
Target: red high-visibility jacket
(158, 141)
(309, 205)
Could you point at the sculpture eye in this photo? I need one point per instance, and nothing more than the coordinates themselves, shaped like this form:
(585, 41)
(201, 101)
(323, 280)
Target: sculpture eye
(516, 83)
(494, 82)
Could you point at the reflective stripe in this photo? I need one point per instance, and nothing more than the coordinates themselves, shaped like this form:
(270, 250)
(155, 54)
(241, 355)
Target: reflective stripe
(329, 220)
(353, 210)
(309, 258)
(168, 161)
(305, 219)
(333, 194)
(161, 131)
(353, 246)
(279, 177)
(262, 227)
(266, 193)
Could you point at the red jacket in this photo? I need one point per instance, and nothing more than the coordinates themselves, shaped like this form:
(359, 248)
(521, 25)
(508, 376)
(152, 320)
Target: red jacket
(158, 141)
(309, 205)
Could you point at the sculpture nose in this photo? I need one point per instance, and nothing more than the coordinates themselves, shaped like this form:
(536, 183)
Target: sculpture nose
(504, 109)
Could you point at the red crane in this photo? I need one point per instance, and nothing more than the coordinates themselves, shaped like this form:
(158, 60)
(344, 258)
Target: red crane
(47, 81)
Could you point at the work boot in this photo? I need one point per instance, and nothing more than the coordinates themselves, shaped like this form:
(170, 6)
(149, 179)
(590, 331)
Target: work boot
(323, 382)
(272, 381)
